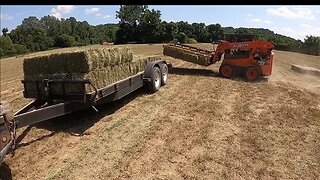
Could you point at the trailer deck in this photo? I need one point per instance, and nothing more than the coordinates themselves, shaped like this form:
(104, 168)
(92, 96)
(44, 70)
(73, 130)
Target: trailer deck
(48, 105)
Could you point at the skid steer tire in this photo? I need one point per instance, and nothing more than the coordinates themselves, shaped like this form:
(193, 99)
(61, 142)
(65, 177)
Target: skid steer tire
(252, 73)
(226, 71)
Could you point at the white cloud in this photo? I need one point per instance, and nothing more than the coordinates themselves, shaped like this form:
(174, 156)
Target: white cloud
(292, 13)
(62, 9)
(267, 21)
(249, 15)
(56, 14)
(289, 32)
(106, 16)
(92, 10)
(308, 29)
(306, 25)
(5, 17)
(257, 20)
(65, 9)
(103, 16)
(300, 32)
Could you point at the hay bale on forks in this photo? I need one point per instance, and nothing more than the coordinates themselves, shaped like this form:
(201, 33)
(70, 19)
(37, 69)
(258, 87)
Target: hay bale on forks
(187, 55)
(102, 66)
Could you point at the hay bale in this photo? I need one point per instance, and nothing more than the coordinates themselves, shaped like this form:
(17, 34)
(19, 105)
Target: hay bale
(101, 66)
(81, 61)
(305, 70)
(190, 56)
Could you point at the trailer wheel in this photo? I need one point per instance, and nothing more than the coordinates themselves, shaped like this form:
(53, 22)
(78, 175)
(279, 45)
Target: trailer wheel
(164, 74)
(155, 83)
(226, 71)
(252, 73)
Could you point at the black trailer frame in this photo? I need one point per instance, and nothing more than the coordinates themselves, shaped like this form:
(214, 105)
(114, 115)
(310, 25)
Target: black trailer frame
(48, 105)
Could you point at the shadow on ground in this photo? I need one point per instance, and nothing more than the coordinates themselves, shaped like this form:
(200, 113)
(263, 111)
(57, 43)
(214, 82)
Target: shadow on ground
(208, 73)
(78, 122)
(192, 72)
(5, 172)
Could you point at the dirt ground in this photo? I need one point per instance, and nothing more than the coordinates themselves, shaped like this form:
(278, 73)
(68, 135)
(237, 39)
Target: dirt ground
(198, 126)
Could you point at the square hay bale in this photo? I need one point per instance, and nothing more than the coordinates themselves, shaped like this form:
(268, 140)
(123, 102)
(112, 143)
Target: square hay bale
(190, 56)
(101, 66)
(81, 61)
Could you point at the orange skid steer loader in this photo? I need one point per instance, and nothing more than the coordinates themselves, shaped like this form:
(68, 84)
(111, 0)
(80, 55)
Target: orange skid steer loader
(249, 58)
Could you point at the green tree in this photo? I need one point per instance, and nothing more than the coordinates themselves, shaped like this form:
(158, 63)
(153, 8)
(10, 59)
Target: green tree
(131, 14)
(201, 33)
(170, 31)
(215, 32)
(312, 45)
(185, 27)
(52, 25)
(65, 41)
(182, 37)
(150, 26)
(20, 49)
(6, 46)
(130, 17)
(5, 31)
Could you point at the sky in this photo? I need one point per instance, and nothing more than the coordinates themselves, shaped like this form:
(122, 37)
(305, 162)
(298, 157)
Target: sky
(293, 21)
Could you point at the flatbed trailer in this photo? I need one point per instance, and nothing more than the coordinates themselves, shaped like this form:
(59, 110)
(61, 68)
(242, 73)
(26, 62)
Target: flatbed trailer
(48, 105)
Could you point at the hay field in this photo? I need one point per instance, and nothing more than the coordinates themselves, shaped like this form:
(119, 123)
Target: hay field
(198, 126)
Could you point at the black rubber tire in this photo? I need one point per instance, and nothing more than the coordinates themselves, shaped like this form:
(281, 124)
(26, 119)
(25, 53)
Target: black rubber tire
(252, 73)
(164, 74)
(155, 83)
(225, 75)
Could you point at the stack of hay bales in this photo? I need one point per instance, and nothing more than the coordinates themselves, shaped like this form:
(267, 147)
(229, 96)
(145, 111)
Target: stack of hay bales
(102, 66)
(187, 55)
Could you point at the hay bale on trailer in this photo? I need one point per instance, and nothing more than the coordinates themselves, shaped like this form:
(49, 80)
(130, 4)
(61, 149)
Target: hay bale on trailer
(102, 66)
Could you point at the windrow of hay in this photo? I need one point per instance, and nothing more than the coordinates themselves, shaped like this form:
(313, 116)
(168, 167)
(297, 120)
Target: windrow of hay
(102, 66)
(184, 54)
(305, 70)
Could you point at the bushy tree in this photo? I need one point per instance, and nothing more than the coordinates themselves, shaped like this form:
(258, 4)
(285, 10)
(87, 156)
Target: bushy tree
(20, 49)
(182, 37)
(312, 45)
(150, 26)
(5, 31)
(215, 32)
(201, 32)
(65, 41)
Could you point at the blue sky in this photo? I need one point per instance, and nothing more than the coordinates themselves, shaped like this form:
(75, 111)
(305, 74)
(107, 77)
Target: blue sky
(292, 21)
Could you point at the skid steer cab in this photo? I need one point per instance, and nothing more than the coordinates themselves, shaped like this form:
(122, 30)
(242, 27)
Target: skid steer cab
(251, 59)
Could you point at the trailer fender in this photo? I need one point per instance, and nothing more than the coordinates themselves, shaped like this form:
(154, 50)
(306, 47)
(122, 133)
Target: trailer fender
(148, 71)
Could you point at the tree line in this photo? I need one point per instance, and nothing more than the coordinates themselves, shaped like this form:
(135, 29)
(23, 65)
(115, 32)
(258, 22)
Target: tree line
(137, 24)
(48, 32)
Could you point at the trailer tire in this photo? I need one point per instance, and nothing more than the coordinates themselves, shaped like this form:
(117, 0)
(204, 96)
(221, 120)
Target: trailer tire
(164, 74)
(155, 83)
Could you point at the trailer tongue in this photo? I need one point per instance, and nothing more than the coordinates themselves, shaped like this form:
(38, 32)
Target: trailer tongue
(49, 104)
